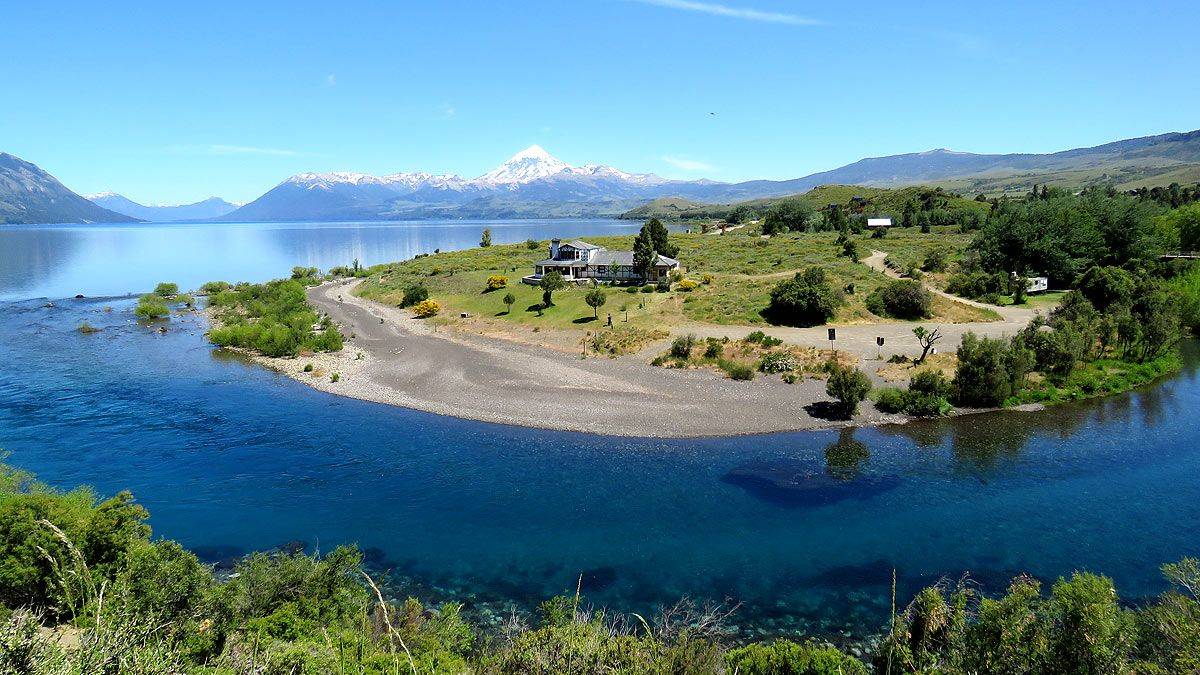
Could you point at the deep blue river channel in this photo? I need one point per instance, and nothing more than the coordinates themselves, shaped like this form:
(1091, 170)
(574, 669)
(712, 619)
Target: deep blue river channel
(804, 529)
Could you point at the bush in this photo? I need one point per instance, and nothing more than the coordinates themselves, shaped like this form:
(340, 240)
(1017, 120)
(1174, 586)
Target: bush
(707, 279)
(784, 657)
(736, 370)
(848, 385)
(806, 299)
(151, 307)
(778, 362)
(214, 287)
(305, 273)
(532, 245)
(272, 319)
(631, 289)
(414, 294)
(166, 289)
(901, 299)
(648, 288)
(427, 308)
(989, 370)
(496, 281)
(713, 348)
(935, 261)
(681, 348)
(687, 285)
(891, 400)
(663, 286)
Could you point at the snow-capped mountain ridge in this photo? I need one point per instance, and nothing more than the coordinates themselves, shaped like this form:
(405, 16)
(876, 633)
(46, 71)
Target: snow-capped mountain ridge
(527, 166)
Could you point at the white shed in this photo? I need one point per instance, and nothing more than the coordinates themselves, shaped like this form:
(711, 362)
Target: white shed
(879, 222)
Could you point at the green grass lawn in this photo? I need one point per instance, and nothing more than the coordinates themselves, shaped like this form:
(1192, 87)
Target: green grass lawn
(743, 269)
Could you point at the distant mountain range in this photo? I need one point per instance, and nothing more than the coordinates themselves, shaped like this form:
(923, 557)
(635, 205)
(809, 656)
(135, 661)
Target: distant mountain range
(533, 184)
(209, 209)
(30, 195)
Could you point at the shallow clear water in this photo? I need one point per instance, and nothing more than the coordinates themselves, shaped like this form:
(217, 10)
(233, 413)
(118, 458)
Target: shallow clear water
(55, 261)
(230, 457)
(804, 529)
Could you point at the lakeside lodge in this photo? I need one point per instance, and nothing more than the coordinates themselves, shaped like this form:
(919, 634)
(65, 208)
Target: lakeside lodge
(578, 261)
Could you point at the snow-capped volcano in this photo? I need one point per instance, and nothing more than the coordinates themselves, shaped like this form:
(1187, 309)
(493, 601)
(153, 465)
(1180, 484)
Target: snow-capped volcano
(528, 165)
(530, 182)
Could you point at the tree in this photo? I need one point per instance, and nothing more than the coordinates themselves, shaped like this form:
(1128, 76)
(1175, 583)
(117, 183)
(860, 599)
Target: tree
(1107, 287)
(166, 289)
(989, 370)
(595, 299)
(835, 219)
(509, 299)
(413, 294)
(848, 385)
(927, 338)
(486, 240)
(789, 215)
(806, 299)
(901, 299)
(644, 255)
(659, 238)
(551, 281)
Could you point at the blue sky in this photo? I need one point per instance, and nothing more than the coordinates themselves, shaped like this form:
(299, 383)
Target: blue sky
(177, 103)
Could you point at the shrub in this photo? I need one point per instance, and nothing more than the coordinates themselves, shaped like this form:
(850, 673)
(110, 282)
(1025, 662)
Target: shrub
(707, 279)
(989, 370)
(663, 286)
(631, 289)
(273, 319)
(778, 362)
(935, 261)
(648, 288)
(736, 370)
(901, 299)
(214, 287)
(688, 285)
(496, 281)
(891, 400)
(681, 348)
(308, 367)
(784, 657)
(713, 348)
(166, 289)
(806, 299)
(305, 273)
(151, 307)
(532, 245)
(427, 308)
(848, 385)
(413, 294)
(335, 377)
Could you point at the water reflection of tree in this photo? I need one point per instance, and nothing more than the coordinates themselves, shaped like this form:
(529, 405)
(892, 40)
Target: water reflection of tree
(844, 457)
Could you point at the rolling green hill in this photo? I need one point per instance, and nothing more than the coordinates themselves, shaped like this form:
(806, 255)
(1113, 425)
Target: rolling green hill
(869, 200)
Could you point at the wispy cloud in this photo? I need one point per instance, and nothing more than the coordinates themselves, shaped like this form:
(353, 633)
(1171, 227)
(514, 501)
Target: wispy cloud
(448, 110)
(684, 164)
(223, 149)
(331, 80)
(746, 13)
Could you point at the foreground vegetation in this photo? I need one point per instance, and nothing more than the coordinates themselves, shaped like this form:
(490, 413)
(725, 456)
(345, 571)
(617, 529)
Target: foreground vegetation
(85, 589)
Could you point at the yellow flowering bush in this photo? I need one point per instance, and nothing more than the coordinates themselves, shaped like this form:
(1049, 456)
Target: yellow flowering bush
(496, 281)
(427, 308)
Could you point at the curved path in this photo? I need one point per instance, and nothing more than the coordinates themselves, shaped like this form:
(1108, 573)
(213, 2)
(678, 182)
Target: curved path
(406, 363)
(860, 339)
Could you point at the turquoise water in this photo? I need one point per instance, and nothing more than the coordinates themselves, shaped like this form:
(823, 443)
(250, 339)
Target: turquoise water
(803, 529)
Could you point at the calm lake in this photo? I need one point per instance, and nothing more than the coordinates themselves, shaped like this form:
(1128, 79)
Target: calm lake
(804, 529)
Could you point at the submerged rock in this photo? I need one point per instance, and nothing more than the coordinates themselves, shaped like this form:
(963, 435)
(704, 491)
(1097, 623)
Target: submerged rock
(796, 484)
